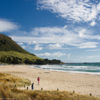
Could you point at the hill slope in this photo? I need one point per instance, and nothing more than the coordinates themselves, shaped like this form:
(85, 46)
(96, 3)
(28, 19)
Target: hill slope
(12, 53)
(7, 44)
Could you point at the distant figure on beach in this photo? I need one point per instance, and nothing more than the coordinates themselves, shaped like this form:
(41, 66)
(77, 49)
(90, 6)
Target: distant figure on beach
(38, 79)
(32, 86)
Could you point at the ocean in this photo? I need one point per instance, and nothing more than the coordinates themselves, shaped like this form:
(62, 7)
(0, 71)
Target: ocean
(89, 68)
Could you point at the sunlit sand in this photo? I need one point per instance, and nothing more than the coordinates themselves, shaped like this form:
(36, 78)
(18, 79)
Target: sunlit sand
(51, 80)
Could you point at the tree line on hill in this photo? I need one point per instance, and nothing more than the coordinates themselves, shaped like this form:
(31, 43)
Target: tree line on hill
(18, 60)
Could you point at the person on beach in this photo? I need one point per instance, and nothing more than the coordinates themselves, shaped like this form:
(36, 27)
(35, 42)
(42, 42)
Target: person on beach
(32, 86)
(38, 79)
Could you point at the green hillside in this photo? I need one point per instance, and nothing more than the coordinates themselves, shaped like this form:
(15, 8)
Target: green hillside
(7, 44)
(12, 53)
(13, 57)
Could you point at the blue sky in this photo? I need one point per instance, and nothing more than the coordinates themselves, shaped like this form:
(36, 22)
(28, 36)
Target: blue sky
(54, 29)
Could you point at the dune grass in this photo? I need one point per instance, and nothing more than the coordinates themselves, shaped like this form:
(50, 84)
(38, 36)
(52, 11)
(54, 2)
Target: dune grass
(7, 90)
(42, 95)
(11, 81)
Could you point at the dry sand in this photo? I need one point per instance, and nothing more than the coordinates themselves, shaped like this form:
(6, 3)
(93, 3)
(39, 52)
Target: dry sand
(51, 80)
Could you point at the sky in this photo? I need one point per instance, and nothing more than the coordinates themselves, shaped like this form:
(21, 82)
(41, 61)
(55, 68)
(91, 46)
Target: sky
(68, 30)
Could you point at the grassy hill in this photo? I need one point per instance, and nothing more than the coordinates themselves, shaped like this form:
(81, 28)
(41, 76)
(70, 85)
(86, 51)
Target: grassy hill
(13, 57)
(7, 44)
(12, 53)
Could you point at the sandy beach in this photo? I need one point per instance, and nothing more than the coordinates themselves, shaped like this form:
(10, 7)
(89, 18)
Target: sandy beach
(51, 80)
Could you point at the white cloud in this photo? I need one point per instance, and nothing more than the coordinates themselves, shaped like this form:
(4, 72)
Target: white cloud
(48, 31)
(57, 36)
(31, 42)
(93, 50)
(92, 57)
(83, 33)
(88, 45)
(37, 47)
(20, 43)
(76, 10)
(6, 25)
(55, 46)
(68, 56)
(87, 34)
(93, 23)
(23, 46)
(55, 54)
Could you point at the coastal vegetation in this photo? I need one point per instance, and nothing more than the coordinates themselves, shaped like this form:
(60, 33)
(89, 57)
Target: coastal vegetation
(12, 53)
(12, 57)
(10, 87)
(11, 81)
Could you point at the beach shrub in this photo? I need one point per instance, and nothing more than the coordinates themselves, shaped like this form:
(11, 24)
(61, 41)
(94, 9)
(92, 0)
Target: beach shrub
(11, 60)
(28, 61)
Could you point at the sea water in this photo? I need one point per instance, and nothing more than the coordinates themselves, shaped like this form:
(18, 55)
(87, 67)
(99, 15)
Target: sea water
(90, 68)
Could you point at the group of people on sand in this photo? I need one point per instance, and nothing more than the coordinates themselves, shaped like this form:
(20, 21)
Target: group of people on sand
(38, 80)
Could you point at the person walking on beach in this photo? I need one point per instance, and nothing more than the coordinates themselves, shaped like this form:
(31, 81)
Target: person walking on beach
(38, 79)
(32, 86)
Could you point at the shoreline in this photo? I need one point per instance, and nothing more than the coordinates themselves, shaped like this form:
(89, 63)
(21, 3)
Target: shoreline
(51, 80)
(75, 72)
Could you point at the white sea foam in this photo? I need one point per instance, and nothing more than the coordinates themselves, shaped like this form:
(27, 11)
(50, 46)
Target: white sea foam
(72, 69)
